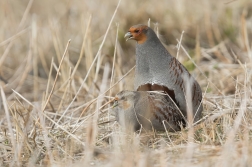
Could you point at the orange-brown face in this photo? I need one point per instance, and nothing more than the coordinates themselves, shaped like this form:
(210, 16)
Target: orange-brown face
(122, 103)
(138, 33)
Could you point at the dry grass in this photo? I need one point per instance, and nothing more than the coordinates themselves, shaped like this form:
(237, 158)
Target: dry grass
(54, 92)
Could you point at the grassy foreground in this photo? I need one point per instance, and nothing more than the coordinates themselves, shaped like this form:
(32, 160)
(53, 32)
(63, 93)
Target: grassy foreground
(61, 62)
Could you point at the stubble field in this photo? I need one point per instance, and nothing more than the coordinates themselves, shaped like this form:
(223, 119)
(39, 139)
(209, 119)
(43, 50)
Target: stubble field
(61, 62)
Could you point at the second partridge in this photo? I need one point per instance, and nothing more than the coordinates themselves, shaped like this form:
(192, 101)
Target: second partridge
(148, 111)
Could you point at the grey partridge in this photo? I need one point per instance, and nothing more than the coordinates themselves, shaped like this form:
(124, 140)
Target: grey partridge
(147, 110)
(157, 70)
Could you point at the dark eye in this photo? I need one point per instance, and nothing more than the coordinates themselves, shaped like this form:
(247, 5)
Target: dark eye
(123, 98)
(136, 31)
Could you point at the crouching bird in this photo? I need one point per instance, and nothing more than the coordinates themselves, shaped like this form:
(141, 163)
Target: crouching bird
(157, 70)
(149, 111)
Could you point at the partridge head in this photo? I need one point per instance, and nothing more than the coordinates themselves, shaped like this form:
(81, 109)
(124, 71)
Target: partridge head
(147, 110)
(157, 70)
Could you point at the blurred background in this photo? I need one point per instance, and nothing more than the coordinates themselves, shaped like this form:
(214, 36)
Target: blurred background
(216, 37)
(34, 32)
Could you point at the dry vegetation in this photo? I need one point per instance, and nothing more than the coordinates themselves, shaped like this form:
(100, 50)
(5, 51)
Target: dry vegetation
(54, 94)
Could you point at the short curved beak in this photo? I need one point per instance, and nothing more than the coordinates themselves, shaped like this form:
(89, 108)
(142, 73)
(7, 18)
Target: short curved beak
(128, 36)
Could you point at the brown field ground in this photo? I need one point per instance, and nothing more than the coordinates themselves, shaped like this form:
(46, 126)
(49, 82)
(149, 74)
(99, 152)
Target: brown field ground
(62, 61)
